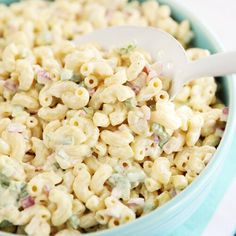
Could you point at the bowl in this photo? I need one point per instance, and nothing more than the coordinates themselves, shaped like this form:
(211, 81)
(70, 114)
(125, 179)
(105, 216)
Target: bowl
(165, 219)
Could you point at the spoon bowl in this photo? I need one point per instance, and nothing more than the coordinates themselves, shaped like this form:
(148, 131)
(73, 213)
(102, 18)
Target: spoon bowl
(164, 48)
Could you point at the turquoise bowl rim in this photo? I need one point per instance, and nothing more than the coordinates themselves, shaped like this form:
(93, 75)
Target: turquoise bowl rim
(162, 215)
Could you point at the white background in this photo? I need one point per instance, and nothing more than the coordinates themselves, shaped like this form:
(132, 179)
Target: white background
(220, 16)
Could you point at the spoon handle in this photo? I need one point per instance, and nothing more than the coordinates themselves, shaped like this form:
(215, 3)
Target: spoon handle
(215, 65)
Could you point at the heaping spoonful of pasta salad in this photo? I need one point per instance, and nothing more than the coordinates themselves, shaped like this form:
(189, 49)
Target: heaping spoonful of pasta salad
(167, 51)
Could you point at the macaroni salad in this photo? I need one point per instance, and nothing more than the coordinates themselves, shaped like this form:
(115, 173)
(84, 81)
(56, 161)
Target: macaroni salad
(89, 139)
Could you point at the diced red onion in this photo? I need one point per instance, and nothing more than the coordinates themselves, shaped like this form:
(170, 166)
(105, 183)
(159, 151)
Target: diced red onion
(11, 85)
(91, 91)
(128, 13)
(135, 88)
(47, 189)
(82, 113)
(37, 68)
(27, 202)
(42, 75)
(16, 128)
(146, 69)
(38, 168)
(109, 14)
(152, 74)
(225, 110)
(173, 192)
(155, 139)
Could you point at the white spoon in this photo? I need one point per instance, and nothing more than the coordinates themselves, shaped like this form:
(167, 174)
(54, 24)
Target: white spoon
(157, 42)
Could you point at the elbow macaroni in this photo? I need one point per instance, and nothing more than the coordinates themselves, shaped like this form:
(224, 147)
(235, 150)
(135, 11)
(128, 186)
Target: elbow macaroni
(89, 139)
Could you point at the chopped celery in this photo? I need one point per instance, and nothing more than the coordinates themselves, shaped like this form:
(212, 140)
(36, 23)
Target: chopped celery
(62, 154)
(148, 206)
(160, 131)
(136, 175)
(68, 75)
(5, 224)
(56, 165)
(89, 111)
(4, 181)
(77, 79)
(48, 137)
(126, 180)
(122, 184)
(81, 84)
(23, 191)
(74, 221)
(130, 103)
(69, 140)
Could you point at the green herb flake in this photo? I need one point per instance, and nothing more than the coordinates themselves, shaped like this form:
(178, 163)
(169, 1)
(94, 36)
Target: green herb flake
(160, 131)
(129, 48)
(4, 181)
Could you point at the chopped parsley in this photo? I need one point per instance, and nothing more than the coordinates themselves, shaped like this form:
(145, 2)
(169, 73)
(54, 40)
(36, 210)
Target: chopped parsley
(129, 48)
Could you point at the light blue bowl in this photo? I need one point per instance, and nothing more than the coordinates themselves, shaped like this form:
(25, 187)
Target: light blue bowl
(164, 220)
